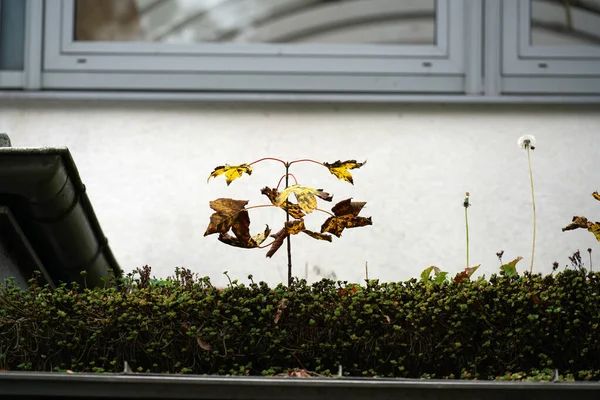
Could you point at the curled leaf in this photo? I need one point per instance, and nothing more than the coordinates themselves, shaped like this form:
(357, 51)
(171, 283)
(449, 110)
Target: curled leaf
(596, 196)
(244, 240)
(465, 274)
(510, 269)
(305, 196)
(293, 209)
(280, 309)
(278, 242)
(203, 345)
(231, 172)
(427, 271)
(293, 227)
(317, 235)
(440, 277)
(345, 216)
(298, 373)
(582, 222)
(340, 169)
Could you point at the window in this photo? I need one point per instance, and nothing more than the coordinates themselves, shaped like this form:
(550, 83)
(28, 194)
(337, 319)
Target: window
(12, 21)
(373, 50)
(375, 46)
(555, 48)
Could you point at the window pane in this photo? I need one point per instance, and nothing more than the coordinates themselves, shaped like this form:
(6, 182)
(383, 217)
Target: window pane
(410, 22)
(12, 34)
(564, 23)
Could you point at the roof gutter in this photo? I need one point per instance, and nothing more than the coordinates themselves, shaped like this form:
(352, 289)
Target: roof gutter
(16, 385)
(48, 200)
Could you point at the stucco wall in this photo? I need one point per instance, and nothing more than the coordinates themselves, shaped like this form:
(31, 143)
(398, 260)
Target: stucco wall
(145, 167)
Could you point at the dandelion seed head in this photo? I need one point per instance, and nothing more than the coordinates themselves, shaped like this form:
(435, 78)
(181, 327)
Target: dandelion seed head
(527, 141)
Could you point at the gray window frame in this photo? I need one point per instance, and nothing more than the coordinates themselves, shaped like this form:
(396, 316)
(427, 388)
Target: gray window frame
(547, 69)
(486, 61)
(252, 67)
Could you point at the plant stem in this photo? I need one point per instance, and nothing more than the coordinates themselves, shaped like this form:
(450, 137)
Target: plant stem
(533, 204)
(467, 230)
(307, 160)
(324, 211)
(258, 206)
(287, 219)
(268, 158)
(285, 176)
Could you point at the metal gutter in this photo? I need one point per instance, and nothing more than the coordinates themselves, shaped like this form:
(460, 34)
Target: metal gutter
(44, 192)
(241, 97)
(14, 385)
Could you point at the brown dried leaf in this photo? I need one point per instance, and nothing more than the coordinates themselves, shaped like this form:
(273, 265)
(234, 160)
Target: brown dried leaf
(229, 212)
(202, 343)
(387, 319)
(346, 216)
(336, 225)
(278, 242)
(596, 196)
(348, 207)
(280, 309)
(317, 235)
(243, 241)
(578, 222)
(298, 373)
(293, 209)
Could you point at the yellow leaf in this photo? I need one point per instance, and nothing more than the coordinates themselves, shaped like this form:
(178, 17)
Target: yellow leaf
(596, 196)
(261, 237)
(595, 229)
(340, 169)
(304, 195)
(295, 227)
(293, 209)
(231, 172)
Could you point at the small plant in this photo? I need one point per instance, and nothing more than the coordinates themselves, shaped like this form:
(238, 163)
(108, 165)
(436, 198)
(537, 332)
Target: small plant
(527, 142)
(466, 205)
(233, 215)
(510, 269)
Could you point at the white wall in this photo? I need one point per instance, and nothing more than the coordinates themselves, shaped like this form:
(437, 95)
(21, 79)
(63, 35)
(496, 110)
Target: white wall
(145, 166)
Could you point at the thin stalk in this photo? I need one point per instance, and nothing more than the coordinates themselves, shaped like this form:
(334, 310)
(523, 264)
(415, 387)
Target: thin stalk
(268, 158)
(324, 211)
(466, 206)
(258, 206)
(287, 219)
(533, 204)
(285, 176)
(467, 230)
(307, 160)
(266, 245)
